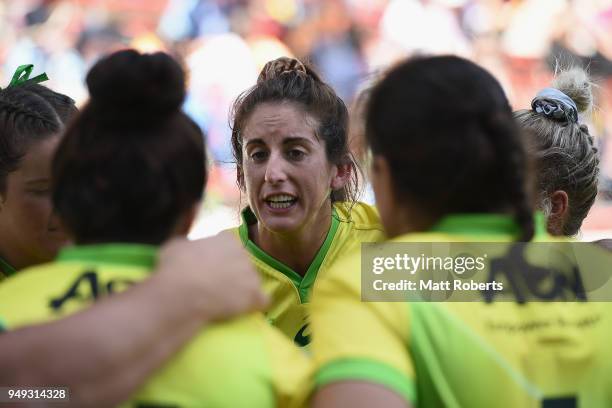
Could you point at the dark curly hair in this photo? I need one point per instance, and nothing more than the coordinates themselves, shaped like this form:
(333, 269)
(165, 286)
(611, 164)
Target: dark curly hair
(132, 162)
(28, 113)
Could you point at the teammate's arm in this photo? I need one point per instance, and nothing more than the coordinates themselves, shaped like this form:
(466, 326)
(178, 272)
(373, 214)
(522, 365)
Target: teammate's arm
(357, 395)
(105, 352)
(360, 349)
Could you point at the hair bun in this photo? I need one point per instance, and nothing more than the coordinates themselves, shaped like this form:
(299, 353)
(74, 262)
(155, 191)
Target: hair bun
(276, 68)
(133, 86)
(576, 84)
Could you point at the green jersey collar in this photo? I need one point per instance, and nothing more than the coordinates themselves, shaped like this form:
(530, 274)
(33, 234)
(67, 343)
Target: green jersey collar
(486, 224)
(6, 269)
(303, 284)
(121, 254)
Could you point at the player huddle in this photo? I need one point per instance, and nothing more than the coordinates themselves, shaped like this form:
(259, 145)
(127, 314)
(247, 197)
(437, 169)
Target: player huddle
(449, 162)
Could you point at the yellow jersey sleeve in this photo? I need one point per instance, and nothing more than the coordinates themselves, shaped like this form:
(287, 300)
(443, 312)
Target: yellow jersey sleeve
(222, 359)
(290, 368)
(355, 340)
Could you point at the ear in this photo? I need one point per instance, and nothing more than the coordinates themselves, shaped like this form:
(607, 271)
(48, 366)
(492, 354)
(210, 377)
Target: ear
(186, 220)
(380, 175)
(342, 176)
(240, 177)
(558, 212)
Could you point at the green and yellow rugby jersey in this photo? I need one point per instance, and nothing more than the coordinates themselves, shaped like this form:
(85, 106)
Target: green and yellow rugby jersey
(289, 292)
(463, 354)
(242, 363)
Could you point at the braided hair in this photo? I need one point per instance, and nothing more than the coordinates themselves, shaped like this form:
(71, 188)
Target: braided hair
(25, 118)
(64, 106)
(445, 127)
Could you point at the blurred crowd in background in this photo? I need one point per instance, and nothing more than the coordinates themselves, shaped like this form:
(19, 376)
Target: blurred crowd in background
(224, 43)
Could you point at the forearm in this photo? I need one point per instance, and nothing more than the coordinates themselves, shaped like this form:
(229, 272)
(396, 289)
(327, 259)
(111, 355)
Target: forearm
(356, 394)
(103, 353)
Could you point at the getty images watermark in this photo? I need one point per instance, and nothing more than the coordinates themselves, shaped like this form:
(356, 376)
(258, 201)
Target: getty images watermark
(478, 271)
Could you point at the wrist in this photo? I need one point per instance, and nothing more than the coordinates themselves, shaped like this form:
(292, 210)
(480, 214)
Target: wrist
(178, 296)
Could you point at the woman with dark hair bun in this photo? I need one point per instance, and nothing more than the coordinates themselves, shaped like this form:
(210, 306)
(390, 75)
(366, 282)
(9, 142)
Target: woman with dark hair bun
(450, 166)
(564, 152)
(289, 138)
(128, 175)
(131, 168)
(32, 118)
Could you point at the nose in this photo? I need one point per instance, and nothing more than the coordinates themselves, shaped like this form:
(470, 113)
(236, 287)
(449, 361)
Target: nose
(54, 223)
(276, 171)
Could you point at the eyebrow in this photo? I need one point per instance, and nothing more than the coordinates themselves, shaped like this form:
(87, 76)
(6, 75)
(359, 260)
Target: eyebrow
(39, 180)
(286, 141)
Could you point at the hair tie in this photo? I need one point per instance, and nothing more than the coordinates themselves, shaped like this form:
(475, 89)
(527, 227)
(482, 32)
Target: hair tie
(556, 105)
(279, 66)
(22, 76)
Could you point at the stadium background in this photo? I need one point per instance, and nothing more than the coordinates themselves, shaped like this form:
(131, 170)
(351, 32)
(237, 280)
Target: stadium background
(224, 43)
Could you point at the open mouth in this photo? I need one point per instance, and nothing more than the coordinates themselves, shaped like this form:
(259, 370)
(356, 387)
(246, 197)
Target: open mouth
(281, 201)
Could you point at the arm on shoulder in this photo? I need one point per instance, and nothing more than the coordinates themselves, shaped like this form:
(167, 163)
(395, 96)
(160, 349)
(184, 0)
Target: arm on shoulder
(102, 354)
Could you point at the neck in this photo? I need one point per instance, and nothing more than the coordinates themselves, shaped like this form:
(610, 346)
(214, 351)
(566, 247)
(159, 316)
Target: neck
(296, 249)
(407, 219)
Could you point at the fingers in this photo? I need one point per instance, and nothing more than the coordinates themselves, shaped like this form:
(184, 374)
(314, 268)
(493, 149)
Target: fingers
(216, 272)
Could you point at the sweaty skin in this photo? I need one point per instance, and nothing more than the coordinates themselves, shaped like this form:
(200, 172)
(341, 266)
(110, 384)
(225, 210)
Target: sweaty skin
(29, 232)
(288, 179)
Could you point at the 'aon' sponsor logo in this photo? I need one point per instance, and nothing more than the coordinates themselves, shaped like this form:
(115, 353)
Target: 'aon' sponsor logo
(88, 286)
(301, 338)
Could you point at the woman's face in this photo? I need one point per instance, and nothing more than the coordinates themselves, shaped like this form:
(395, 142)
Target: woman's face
(29, 232)
(287, 175)
(398, 216)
